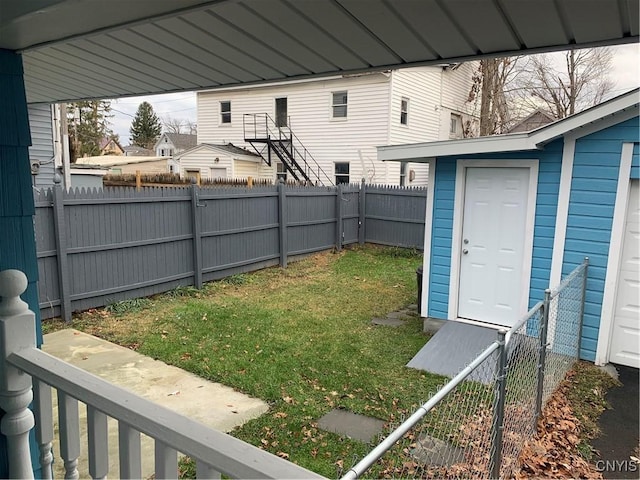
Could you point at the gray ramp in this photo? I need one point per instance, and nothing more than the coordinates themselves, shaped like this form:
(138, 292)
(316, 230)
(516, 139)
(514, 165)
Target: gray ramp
(453, 347)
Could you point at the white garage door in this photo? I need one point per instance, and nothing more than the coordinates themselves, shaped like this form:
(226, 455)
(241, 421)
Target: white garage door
(625, 339)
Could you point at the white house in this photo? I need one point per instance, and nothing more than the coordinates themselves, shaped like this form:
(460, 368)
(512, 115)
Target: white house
(170, 144)
(211, 162)
(334, 124)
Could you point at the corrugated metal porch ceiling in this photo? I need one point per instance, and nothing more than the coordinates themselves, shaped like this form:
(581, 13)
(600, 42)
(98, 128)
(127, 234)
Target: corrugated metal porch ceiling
(77, 49)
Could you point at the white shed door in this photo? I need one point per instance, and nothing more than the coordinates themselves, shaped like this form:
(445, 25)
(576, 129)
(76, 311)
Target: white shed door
(493, 238)
(625, 338)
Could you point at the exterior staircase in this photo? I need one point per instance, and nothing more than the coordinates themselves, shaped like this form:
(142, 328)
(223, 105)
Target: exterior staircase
(268, 139)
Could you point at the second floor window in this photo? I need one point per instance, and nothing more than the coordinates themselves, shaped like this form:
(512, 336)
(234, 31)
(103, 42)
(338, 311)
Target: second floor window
(404, 111)
(339, 104)
(455, 126)
(225, 112)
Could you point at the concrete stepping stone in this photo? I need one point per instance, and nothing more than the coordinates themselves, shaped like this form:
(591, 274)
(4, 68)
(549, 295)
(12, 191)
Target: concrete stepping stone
(352, 425)
(389, 322)
(432, 451)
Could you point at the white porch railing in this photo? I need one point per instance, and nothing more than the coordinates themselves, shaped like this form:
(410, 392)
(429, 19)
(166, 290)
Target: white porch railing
(23, 365)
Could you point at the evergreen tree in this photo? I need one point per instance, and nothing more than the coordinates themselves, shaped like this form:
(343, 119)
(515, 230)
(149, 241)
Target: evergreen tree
(88, 123)
(146, 127)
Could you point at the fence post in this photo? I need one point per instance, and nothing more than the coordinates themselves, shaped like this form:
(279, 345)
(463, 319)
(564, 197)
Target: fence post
(497, 426)
(361, 211)
(197, 236)
(542, 354)
(60, 232)
(582, 302)
(282, 241)
(339, 232)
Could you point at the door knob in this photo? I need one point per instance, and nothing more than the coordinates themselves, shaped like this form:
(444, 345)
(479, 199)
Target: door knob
(465, 241)
(465, 251)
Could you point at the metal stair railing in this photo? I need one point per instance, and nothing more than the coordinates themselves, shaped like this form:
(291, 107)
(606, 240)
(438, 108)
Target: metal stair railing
(261, 128)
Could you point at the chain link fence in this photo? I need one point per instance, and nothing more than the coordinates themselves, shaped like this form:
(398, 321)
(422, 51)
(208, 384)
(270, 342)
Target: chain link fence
(476, 425)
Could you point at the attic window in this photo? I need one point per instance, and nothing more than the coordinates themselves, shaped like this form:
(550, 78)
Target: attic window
(339, 104)
(225, 112)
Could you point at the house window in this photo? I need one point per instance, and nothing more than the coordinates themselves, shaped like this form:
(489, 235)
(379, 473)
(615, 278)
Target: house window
(225, 112)
(404, 111)
(281, 112)
(404, 168)
(342, 172)
(455, 125)
(171, 169)
(281, 172)
(339, 104)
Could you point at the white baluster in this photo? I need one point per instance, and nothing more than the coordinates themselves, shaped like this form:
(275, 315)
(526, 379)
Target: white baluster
(98, 434)
(166, 461)
(17, 332)
(43, 408)
(129, 450)
(205, 471)
(69, 423)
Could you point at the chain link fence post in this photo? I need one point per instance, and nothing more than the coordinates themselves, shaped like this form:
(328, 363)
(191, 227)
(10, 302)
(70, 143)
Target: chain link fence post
(498, 410)
(583, 301)
(542, 354)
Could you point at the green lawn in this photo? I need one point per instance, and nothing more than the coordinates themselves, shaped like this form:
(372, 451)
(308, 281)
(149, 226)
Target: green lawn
(299, 338)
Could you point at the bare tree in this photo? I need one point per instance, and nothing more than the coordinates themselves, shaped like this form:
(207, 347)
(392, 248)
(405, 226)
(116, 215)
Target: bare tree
(174, 125)
(566, 87)
(493, 88)
(191, 127)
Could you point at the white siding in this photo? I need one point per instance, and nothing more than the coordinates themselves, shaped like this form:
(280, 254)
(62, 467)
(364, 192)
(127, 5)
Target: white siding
(456, 86)
(258, 171)
(309, 110)
(203, 160)
(421, 86)
(42, 148)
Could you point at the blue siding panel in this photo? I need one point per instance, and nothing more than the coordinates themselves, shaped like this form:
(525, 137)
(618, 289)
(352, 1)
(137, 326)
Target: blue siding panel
(443, 197)
(591, 206)
(635, 162)
(546, 206)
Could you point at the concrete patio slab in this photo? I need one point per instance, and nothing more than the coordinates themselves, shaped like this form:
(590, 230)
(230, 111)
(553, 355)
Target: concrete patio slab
(212, 404)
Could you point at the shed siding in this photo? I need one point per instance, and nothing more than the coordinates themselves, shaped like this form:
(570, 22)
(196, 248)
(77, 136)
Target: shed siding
(544, 229)
(42, 149)
(635, 162)
(591, 205)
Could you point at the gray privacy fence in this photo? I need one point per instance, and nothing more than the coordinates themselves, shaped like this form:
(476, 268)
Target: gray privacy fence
(477, 424)
(102, 246)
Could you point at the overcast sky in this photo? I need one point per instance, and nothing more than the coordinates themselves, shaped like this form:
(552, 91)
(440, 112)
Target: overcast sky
(625, 74)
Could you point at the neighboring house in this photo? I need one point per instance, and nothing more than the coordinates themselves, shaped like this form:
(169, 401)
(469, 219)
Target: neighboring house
(121, 164)
(136, 151)
(170, 144)
(210, 162)
(535, 120)
(509, 215)
(110, 146)
(45, 152)
(340, 120)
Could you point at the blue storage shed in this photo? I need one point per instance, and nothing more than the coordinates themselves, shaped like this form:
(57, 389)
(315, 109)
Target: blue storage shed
(510, 215)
